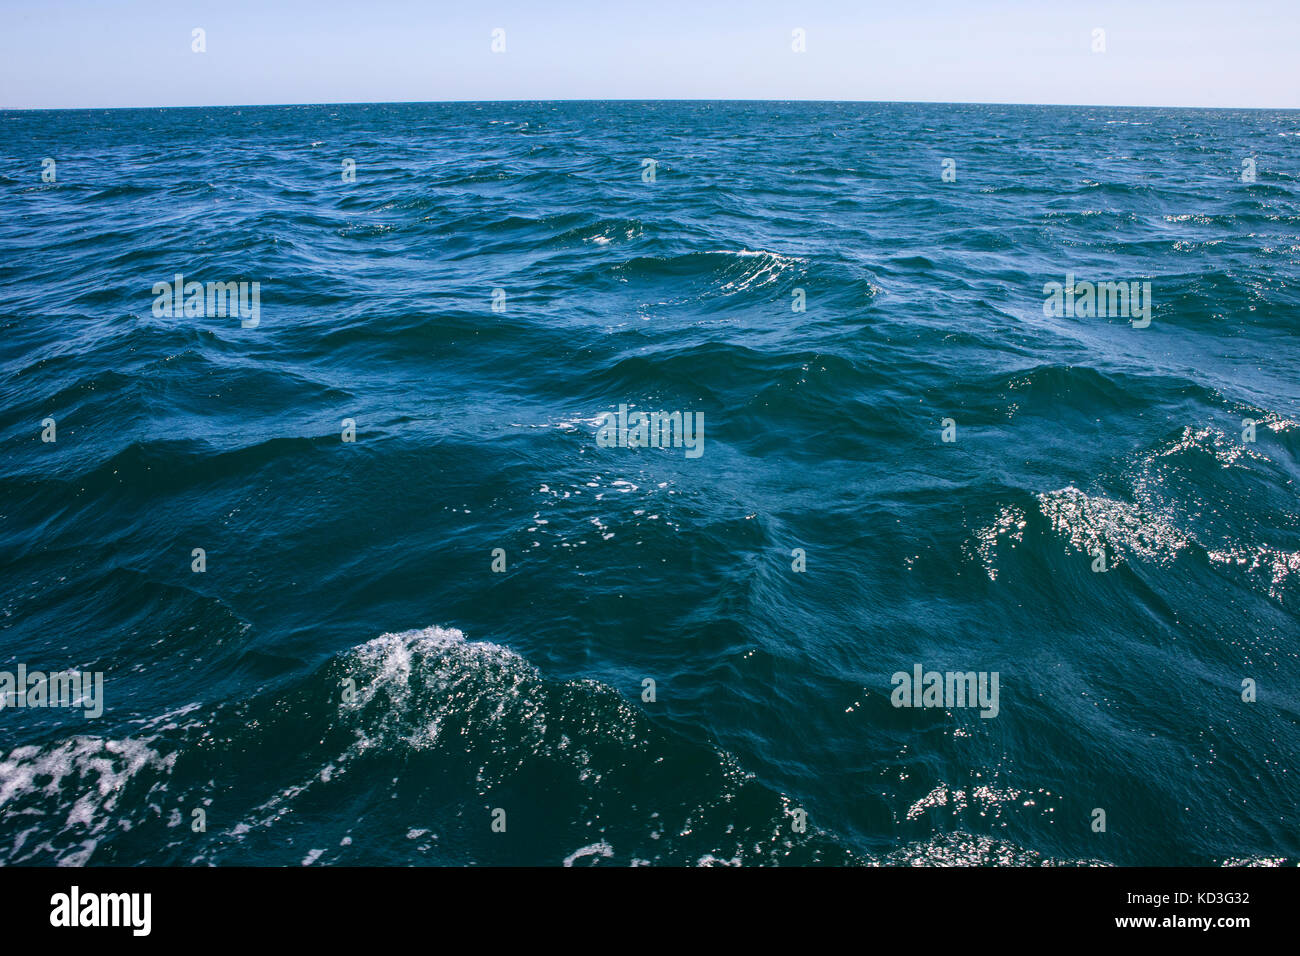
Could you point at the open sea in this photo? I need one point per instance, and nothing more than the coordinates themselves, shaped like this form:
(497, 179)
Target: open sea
(366, 582)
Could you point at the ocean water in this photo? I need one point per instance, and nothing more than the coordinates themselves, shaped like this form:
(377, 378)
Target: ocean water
(349, 681)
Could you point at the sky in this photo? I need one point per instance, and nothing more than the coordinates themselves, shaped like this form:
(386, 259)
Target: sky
(130, 53)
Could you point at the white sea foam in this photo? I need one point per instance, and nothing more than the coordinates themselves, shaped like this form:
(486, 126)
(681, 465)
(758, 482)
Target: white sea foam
(968, 849)
(1209, 440)
(596, 849)
(1279, 566)
(94, 770)
(1091, 522)
(770, 267)
(1010, 523)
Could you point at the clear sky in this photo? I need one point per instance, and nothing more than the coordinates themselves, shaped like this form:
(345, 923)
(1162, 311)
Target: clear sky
(79, 53)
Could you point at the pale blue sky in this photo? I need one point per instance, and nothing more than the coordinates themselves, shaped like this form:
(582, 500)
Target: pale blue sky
(79, 53)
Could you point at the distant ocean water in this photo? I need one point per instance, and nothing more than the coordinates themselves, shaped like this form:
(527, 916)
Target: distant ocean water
(348, 681)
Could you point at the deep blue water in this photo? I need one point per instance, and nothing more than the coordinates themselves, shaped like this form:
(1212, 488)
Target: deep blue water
(336, 565)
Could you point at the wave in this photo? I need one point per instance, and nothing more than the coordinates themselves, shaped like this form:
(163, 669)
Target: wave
(460, 728)
(1162, 519)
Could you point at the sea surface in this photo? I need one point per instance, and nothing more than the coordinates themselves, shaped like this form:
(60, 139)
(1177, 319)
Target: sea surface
(1113, 528)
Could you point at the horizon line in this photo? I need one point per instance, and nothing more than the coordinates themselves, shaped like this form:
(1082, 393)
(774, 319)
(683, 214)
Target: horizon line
(623, 99)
